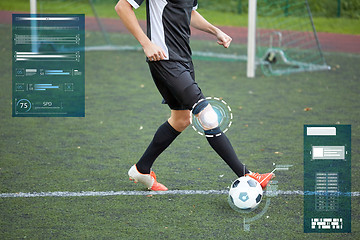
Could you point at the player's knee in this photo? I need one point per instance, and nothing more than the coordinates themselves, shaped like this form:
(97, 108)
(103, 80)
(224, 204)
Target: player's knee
(184, 122)
(181, 125)
(180, 122)
(208, 118)
(206, 115)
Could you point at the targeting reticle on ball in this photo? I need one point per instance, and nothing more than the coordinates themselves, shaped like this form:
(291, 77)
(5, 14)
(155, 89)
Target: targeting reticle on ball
(223, 112)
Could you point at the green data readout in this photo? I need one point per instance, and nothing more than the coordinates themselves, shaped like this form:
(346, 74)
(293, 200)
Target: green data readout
(48, 65)
(327, 178)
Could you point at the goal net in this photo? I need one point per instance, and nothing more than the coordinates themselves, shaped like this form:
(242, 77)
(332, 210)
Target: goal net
(281, 36)
(286, 40)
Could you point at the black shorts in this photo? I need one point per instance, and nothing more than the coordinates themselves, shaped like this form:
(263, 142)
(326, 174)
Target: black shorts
(176, 83)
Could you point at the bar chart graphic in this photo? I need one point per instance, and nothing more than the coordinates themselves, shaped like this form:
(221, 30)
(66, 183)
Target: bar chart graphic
(48, 65)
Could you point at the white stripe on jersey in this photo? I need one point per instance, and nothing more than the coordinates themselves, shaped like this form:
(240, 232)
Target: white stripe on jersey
(156, 9)
(133, 4)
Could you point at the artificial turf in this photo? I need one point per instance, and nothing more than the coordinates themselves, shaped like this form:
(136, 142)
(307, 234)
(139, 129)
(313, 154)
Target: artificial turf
(122, 112)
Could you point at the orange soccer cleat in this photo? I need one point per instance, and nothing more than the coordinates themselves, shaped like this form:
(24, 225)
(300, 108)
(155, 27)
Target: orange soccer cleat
(263, 179)
(149, 180)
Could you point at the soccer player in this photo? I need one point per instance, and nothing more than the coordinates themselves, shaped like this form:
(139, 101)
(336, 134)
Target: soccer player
(168, 54)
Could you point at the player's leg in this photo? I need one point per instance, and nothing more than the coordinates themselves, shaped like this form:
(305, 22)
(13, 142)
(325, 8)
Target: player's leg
(180, 91)
(221, 144)
(163, 73)
(216, 138)
(180, 119)
(141, 171)
(164, 136)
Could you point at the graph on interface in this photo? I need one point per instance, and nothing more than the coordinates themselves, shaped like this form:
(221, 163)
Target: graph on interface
(48, 65)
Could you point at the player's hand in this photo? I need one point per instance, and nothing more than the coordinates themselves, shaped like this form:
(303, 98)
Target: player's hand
(153, 52)
(223, 39)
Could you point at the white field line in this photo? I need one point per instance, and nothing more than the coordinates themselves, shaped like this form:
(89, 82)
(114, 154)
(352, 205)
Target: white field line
(145, 193)
(194, 53)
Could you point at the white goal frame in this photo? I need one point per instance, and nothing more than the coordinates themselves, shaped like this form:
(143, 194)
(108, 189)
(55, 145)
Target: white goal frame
(252, 61)
(34, 46)
(251, 44)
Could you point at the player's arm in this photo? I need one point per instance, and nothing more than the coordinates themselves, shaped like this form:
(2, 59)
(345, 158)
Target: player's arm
(199, 22)
(128, 17)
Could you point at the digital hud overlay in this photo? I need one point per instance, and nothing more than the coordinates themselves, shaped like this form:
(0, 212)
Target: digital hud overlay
(48, 65)
(327, 179)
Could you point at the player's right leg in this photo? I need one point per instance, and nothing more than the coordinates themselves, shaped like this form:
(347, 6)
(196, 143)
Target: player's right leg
(220, 143)
(217, 139)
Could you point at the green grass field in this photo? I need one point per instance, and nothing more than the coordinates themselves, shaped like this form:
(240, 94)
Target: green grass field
(122, 112)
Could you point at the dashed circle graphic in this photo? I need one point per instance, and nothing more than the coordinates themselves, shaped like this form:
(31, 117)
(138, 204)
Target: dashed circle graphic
(223, 112)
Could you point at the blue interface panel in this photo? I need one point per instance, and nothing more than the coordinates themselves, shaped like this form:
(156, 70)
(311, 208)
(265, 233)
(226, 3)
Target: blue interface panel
(327, 178)
(48, 65)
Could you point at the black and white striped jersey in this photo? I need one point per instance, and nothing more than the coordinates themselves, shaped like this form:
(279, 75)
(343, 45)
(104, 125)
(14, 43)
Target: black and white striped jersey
(168, 25)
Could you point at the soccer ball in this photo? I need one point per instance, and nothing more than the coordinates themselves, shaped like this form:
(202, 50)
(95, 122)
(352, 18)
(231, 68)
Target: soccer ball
(245, 194)
(271, 57)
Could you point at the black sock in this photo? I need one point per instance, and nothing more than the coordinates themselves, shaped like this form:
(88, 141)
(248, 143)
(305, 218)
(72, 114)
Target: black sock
(221, 144)
(163, 137)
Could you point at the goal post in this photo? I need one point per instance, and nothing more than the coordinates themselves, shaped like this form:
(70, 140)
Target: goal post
(33, 6)
(282, 38)
(33, 10)
(251, 47)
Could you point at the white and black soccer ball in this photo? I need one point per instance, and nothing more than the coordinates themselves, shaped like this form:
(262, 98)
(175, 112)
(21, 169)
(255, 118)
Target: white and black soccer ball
(245, 194)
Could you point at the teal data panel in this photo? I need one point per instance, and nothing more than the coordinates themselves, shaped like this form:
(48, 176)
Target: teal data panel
(48, 65)
(327, 178)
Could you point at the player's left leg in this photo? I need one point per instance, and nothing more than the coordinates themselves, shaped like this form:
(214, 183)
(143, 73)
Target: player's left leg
(167, 76)
(163, 137)
(180, 119)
